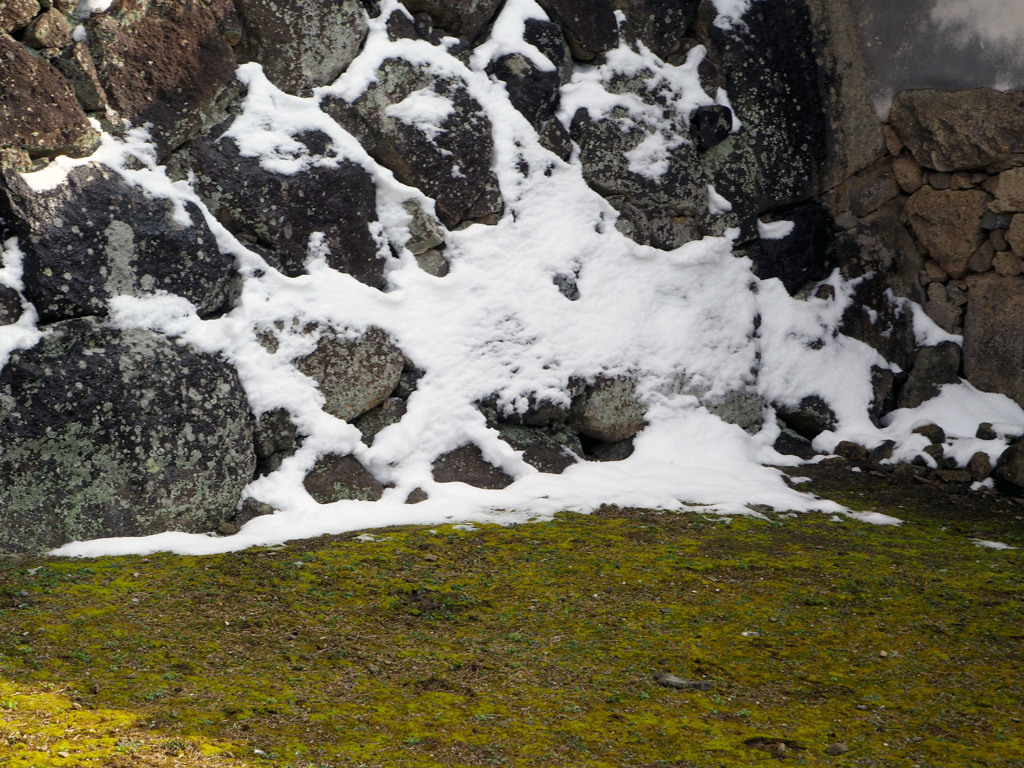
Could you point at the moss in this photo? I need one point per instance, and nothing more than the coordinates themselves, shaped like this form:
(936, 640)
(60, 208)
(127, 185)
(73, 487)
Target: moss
(536, 645)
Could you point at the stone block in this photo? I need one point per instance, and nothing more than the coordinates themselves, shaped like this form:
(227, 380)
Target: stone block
(947, 224)
(993, 344)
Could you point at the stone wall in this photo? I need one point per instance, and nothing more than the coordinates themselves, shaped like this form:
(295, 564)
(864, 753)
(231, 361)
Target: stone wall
(115, 432)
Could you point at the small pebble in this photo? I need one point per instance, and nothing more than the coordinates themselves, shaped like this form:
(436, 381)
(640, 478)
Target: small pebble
(839, 748)
(671, 681)
(883, 654)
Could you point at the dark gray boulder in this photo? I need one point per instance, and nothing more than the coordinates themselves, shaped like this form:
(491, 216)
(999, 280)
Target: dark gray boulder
(354, 375)
(449, 159)
(659, 24)
(777, 88)
(665, 209)
(95, 237)
(467, 464)
(808, 418)
(275, 439)
(466, 18)
(279, 212)
(532, 91)
(933, 367)
(341, 478)
(302, 43)
(546, 449)
(1009, 470)
(105, 432)
(589, 25)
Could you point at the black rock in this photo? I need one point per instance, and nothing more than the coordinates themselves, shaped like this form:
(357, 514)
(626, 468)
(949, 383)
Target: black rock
(532, 91)
(335, 197)
(589, 25)
(95, 237)
(710, 125)
(337, 478)
(801, 256)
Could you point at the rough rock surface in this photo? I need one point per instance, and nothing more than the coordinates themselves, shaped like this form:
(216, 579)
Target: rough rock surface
(660, 24)
(466, 18)
(960, 130)
(609, 410)
(167, 63)
(547, 450)
(117, 433)
(933, 367)
(993, 344)
(95, 237)
(947, 224)
(589, 25)
(468, 465)
(341, 478)
(353, 375)
(302, 43)
(449, 160)
(801, 256)
(38, 112)
(279, 212)
(15, 14)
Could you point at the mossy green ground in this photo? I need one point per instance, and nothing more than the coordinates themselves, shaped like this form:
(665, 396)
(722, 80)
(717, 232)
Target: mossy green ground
(534, 645)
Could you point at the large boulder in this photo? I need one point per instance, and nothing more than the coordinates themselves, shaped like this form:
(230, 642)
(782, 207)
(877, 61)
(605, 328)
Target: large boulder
(802, 254)
(467, 464)
(354, 375)
(961, 130)
(38, 111)
(94, 237)
(341, 478)
(589, 25)
(662, 199)
(105, 432)
(609, 410)
(659, 24)
(334, 197)
(431, 133)
(947, 224)
(778, 90)
(167, 63)
(466, 18)
(933, 367)
(993, 345)
(302, 43)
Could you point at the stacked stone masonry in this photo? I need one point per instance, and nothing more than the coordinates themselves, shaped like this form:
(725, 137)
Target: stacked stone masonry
(931, 208)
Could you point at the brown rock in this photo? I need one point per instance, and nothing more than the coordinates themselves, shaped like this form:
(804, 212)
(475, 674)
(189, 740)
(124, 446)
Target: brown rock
(961, 130)
(979, 466)
(892, 140)
(468, 465)
(166, 63)
(997, 239)
(962, 180)
(15, 14)
(946, 314)
(1009, 191)
(336, 478)
(303, 43)
(353, 375)
(77, 66)
(908, 174)
(1015, 235)
(981, 259)
(953, 475)
(871, 189)
(936, 274)
(38, 110)
(48, 30)
(851, 451)
(940, 180)
(993, 344)
(948, 225)
(1007, 263)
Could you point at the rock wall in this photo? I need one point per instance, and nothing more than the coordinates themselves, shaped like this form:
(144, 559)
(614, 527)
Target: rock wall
(106, 431)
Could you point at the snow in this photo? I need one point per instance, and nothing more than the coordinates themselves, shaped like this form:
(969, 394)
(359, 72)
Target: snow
(992, 544)
(774, 230)
(682, 323)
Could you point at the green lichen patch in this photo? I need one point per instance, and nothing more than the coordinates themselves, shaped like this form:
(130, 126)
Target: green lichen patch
(809, 641)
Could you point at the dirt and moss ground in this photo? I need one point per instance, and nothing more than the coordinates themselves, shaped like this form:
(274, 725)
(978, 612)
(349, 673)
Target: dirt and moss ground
(815, 642)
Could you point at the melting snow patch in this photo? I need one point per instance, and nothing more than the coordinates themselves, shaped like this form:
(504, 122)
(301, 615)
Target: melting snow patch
(874, 518)
(991, 544)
